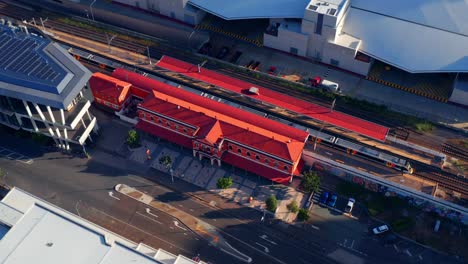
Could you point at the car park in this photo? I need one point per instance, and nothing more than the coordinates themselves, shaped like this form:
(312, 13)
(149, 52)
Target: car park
(390, 239)
(332, 201)
(324, 198)
(380, 229)
(350, 205)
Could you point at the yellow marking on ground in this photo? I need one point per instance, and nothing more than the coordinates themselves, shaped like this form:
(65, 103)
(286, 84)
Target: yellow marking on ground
(340, 161)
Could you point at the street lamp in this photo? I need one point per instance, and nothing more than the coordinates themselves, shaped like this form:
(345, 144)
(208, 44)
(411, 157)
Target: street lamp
(190, 36)
(91, 8)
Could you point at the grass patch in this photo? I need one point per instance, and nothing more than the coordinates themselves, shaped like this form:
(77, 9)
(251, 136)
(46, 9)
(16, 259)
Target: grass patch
(402, 223)
(424, 127)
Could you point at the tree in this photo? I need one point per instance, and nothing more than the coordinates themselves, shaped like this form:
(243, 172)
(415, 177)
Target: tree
(166, 161)
(224, 182)
(310, 181)
(133, 140)
(271, 203)
(303, 215)
(293, 207)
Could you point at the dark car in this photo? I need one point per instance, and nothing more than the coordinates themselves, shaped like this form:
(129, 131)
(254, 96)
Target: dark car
(222, 53)
(332, 201)
(324, 198)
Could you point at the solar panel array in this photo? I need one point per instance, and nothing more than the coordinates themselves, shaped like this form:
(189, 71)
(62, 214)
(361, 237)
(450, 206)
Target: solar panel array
(20, 55)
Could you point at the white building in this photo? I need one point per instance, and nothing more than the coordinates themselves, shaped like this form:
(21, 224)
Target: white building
(41, 87)
(35, 231)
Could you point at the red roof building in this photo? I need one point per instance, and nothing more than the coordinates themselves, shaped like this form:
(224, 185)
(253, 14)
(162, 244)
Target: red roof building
(211, 129)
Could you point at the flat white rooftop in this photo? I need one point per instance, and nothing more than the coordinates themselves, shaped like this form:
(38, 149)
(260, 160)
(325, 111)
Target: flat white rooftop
(38, 232)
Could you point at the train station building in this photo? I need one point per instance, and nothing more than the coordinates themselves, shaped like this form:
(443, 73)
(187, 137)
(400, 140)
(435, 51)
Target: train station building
(41, 87)
(212, 130)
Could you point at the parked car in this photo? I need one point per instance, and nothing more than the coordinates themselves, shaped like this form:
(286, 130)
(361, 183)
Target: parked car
(324, 198)
(350, 205)
(380, 229)
(331, 86)
(332, 201)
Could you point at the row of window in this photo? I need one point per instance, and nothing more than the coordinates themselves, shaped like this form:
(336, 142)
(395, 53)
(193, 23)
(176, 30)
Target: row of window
(163, 122)
(257, 157)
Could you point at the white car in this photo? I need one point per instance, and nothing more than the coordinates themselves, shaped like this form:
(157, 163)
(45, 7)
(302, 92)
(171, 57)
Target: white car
(350, 205)
(380, 229)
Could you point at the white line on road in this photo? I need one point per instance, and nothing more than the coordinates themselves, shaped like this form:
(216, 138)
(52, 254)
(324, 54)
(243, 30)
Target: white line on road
(408, 253)
(396, 248)
(111, 194)
(264, 237)
(352, 244)
(148, 211)
(329, 154)
(264, 247)
(176, 223)
(150, 218)
(315, 227)
(420, 257)
(242, 256)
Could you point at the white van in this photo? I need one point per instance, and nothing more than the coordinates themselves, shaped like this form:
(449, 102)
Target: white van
(331, 86)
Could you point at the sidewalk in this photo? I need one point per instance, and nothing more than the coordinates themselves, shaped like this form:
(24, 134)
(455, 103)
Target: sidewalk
(195, 177)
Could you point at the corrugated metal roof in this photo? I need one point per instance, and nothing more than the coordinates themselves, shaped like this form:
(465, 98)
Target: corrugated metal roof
(409, 46)
(252, 9)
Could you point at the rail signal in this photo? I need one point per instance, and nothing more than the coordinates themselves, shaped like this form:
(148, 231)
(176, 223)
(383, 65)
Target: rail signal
(390, 164)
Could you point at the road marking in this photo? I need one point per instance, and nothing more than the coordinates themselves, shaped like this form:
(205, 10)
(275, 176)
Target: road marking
(176, 223)
(149, 218)
(408, 253)
(264, 237)
(329, 154)
(420, 257)
(243, 257)
(340, 161)
(264, 247)
(315, 227)
(344, 243)
(352, 244)
(396, 248)
(359, 168)
(148, 211)
(180, 205)
(111, 194)
(191, 210)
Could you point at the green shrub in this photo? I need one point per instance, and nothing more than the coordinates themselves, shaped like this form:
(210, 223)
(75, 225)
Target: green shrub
(293, 207)
(271, 203)
(165, 161)
(310, 181)
(303, 215)
(133, 140)
(424, 126)
(224, 182)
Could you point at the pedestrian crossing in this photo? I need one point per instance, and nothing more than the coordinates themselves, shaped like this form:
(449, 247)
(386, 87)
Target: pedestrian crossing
(13, 155)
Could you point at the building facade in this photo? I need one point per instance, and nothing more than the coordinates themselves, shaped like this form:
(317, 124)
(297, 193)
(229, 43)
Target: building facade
(41, 87)
(212, 130)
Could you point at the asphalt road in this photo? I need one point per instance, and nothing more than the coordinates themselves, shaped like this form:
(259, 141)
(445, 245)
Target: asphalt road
(82, 187)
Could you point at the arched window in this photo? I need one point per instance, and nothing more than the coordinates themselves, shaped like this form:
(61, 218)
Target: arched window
(248, 154)
(286, 168)
(267, 161)
(185, 130)
(257, 157)
(230, 147)
(239, 150)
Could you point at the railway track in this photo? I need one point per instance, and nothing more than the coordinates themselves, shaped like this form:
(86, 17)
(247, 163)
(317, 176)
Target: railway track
(455, 151)
(459, 185)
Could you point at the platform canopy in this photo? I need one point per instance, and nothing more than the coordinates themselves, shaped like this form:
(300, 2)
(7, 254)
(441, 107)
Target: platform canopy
(253, 9)
(418, 36)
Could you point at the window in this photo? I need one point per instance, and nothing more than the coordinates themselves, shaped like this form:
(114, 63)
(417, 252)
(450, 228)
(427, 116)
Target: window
(248, 154)
(168, 123)
(334, 62)
(293, 50)
(177, 127)
(159, 120)
(267, 161)
(230, 147)
(239, 150)
(318, 28)
(208, 149)
(185, 130)
(257, 157)
(152, 118)
(286, 168)
(196, 145)
(276, 164)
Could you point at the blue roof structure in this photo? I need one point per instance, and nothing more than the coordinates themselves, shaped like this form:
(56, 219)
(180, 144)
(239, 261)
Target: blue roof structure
(37, 70)
(253, 9)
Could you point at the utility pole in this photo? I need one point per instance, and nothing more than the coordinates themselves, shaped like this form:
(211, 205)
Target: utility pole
(109, 40)
(201, 65)
(91, 8)
(149, 57)
(42, 22)
(190, 36)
